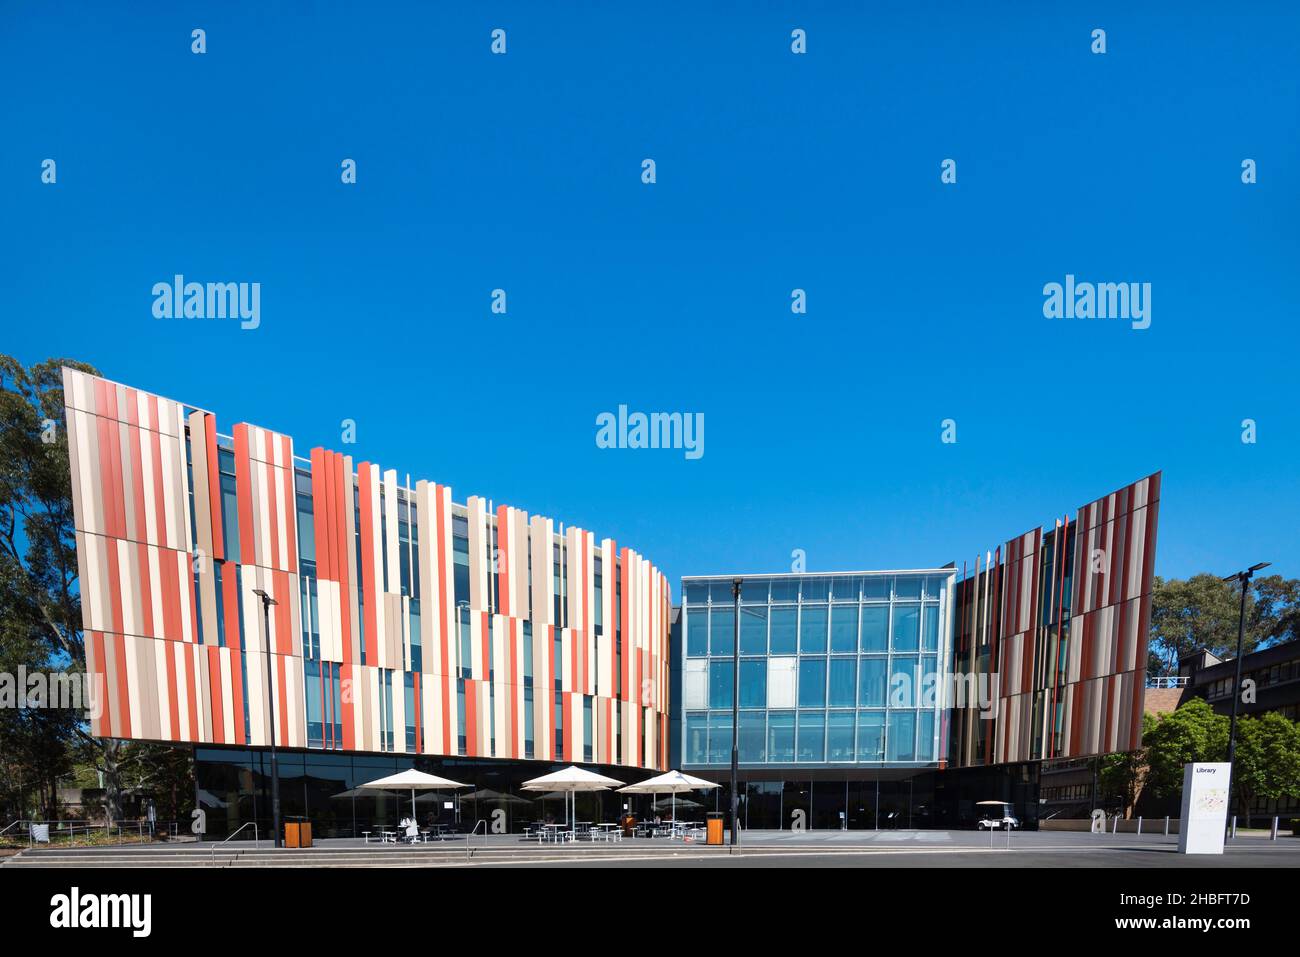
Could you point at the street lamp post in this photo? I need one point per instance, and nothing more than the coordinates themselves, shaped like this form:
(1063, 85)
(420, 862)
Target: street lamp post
(735, 708)
(267, 602)
(1244, 578)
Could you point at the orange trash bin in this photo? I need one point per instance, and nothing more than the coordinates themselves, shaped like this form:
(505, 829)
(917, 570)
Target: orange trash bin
(713, 829)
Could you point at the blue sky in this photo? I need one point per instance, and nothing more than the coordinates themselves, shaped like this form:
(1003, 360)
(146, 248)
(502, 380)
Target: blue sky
(775, 172)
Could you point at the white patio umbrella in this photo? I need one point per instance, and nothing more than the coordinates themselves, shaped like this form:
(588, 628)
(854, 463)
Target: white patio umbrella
(670, 782)
(413, 780)
(572, 780)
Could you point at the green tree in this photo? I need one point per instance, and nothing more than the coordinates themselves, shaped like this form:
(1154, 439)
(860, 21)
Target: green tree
(40, 607)
(1193, 732)
(1267, 760)
(1194, 613)
(1123, 775)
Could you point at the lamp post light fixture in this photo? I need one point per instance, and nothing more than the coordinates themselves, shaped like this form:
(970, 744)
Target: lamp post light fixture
(1244, 578)
(735, 708)
(267, 602)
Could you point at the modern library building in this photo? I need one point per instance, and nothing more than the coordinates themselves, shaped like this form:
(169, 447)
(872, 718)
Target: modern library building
(235, 594)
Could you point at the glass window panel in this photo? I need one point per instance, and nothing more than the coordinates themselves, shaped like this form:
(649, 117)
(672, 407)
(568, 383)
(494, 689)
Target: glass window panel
(722, 630)
(697, 738)
(875, 628)
(720, 737)
(904, 682)
(780, 737)
(930, 628)
(812, 735)
(697, 593)
(812, 682)
(812, 629)
(900, 741)
(845, 589)
(871, 735)
(933, 586)
(697, 632)
(815, 589)
(784, 633)
(925, 736)
(781, 680)
(839, 736)
(876, 588)
(753, 630)
(785, 589)
(844, 628)
(754, 591)
(843, 682)
(871, 683)
(720, 594)
(753, 737)
(931, 682)
(721, 684)
(907, 627)
(907, 586)
(753, 683)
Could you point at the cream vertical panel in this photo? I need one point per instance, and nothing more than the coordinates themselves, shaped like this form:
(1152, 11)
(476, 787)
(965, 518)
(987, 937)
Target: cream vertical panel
(375, 568)
(431, 710)
(605, 677)
(478, 567)
(350, 547)
(397, 684)
(392, 539)
(519, 548)
(543, 694)
(449, 591)
(500, 688)
(543, 604)
(430, 598)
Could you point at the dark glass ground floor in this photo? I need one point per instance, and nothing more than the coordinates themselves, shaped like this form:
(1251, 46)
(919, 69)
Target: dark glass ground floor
(234, 787)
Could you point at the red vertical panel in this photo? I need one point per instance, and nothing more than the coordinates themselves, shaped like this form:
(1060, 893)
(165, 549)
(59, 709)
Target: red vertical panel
(281, 610)
(513, 629)
(173, 689)
(348, 706)
(244, 495)
(191, 682)
(364, 569)
(137, 483)
(503, 560)
(114, 585)
(214, 692)
(237, 695)
(419, 724)
(101, 726)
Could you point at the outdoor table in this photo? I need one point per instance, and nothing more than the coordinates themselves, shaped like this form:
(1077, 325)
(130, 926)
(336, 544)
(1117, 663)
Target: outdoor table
(610, 832)
(552, 832)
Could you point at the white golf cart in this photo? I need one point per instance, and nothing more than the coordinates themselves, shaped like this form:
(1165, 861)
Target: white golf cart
(997, 816)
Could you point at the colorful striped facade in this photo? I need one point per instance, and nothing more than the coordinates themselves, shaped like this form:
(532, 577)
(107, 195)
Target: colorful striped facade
(1056, 623)
(403, 621)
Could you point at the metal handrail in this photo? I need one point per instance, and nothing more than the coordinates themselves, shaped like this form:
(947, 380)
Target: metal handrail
(470, 835)
(217, 847)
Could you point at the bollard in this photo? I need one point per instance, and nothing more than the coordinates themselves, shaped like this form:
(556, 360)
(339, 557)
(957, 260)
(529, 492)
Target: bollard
(1115, 829)
(1273, 834)
(1234, 827)
(1139, 823)
(1166, 825)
